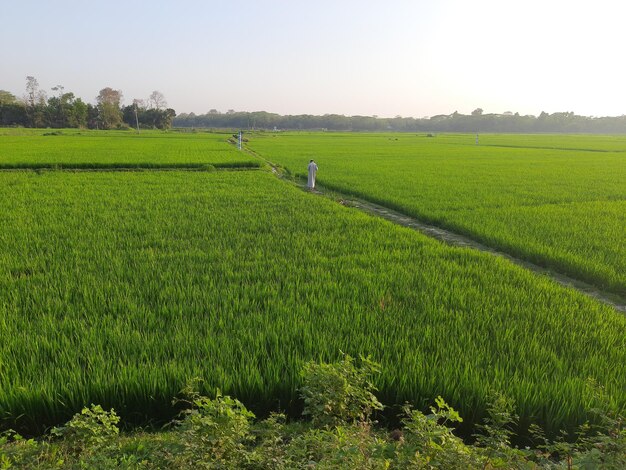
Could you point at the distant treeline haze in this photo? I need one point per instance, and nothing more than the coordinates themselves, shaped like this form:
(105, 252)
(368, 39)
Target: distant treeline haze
(455, 122)
(64, 109)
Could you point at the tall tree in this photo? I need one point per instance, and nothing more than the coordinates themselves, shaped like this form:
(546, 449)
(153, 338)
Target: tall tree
(157, 100)
(32, 90)
(35, 100)
(109, 111)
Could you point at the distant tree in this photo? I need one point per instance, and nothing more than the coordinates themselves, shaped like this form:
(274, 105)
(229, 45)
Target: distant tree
(7, 97)
(158, 118)
(59, 89)
(148, 118)
(12, 111)
(157, 100)
(35, 100)
(93, 116)
(58, 108)
(77, 115)
(128, 114)
(477, 112)
(168, 118)
(32, 91)
(54, 113)
(110, 115)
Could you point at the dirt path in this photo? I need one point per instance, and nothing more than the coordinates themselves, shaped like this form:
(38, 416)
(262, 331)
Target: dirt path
(455, 239)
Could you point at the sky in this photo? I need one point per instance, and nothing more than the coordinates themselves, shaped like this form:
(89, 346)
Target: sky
(354, 57)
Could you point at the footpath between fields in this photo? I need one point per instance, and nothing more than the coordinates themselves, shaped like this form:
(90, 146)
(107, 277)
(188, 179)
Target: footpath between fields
(445, 235)
(455, 239)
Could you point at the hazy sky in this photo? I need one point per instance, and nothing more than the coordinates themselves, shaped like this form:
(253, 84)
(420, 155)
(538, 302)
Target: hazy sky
(389, 57)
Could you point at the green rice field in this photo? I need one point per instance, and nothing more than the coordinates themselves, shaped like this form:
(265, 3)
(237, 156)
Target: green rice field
(118, 287)
(558, 201)
(84, 149)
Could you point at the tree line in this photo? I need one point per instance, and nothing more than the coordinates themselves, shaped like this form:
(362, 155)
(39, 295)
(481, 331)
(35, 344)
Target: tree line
(477, 121)
(63, 109)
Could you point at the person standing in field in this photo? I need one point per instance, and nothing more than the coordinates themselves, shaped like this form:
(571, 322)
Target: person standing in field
(312, 172)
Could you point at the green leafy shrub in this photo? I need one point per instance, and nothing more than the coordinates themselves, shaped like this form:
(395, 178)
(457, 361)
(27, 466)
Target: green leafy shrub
(15, 451)
(93, 427)
(428, 442)
(270, 443)
(340, 392)
(494, 436)
(215, 430)
(346, 446)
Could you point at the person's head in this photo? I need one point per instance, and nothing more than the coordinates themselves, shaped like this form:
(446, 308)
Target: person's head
(311, 161)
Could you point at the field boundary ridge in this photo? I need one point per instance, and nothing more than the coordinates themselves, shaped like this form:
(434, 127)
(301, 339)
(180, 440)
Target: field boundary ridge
(234, 165)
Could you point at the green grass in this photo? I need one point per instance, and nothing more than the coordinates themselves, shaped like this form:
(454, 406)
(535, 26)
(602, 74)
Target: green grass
(81, 149)
(536, 197)
(116, 288)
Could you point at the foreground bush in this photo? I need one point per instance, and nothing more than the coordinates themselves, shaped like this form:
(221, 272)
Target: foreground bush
(221, 433)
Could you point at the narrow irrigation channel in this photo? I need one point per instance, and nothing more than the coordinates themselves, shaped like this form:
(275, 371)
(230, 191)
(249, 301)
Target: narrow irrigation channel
(447, 236)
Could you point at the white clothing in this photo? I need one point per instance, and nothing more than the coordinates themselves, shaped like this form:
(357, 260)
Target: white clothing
(312, 171)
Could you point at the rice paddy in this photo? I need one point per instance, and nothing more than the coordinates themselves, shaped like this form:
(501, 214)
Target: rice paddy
(118, 287)
(558, 201)
(84, 149)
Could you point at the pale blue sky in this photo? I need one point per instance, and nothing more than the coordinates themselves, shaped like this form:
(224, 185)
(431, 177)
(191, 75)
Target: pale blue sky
(394, 57)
